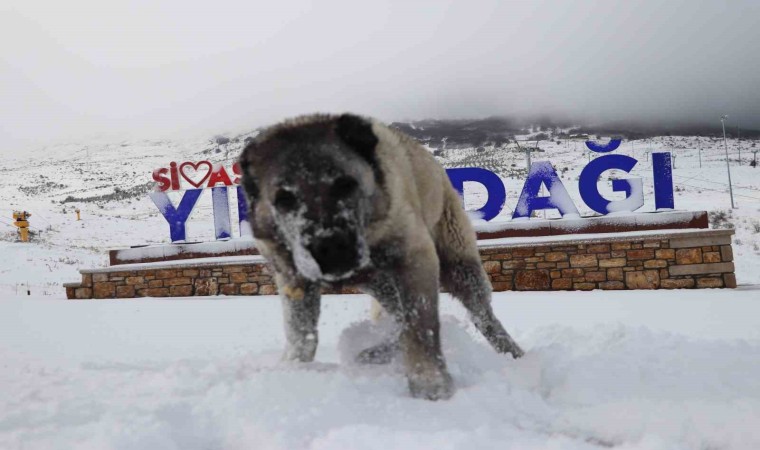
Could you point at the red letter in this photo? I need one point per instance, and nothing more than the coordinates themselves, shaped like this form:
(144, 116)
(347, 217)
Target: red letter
(219, 175)
(163, 182)
(175, 176)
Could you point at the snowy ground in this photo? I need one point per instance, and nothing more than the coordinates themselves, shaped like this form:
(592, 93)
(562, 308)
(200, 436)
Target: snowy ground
(39, 180)
(636, 371)
(625, 370)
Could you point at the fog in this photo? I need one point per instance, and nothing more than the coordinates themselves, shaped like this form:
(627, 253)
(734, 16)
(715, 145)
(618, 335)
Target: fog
(78, 69)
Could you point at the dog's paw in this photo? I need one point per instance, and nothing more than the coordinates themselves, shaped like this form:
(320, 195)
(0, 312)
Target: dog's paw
(505, 344)
(379, 354)
(301, 351)
(434, 386)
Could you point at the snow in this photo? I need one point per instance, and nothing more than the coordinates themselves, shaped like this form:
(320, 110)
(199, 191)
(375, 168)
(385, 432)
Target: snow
(633, 371)
(571, 221)
(627, 370)
(187, 263)
(95, 168)
(167, 250)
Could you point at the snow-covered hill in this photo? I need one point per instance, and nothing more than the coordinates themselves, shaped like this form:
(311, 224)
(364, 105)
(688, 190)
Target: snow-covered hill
(625, 370)
(109, 182)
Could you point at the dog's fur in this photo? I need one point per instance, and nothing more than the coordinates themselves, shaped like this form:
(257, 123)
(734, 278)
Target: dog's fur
(344, 200)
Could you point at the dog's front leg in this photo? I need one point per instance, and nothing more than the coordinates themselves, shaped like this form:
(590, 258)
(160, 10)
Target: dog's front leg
(410, 293)
(420, 343)
(300, 305)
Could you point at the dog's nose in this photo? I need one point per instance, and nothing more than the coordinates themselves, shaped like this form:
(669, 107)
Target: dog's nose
(336, 254)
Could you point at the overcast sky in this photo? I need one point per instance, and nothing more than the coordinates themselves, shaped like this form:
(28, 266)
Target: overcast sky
(76, 69)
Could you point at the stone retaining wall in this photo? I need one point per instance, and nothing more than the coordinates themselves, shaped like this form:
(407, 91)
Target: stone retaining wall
(686, 259)
(692, 260)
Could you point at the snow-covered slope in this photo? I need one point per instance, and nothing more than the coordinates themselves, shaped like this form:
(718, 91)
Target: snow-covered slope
(637, 371)
(109, 183)
(625, 370)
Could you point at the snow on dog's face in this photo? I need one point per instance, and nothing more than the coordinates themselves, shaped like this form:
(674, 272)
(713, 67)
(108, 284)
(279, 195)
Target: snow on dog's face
(310, 184)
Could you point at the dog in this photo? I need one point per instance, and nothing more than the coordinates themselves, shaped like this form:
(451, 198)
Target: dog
(343, 200)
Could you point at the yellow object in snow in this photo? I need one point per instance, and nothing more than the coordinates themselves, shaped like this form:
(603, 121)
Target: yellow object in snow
(22, 222)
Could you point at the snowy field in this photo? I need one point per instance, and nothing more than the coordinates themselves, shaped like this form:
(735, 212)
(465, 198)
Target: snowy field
(625, 370)
(87, 175)
(634, 371)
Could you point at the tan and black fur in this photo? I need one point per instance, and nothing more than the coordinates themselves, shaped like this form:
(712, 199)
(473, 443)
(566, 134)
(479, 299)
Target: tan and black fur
(345, 200)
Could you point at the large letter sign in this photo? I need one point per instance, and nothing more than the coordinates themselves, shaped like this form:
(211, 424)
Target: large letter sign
(633, 188)
(220, 202)
(542, 172)
(663, 181)
(497, 194)
(245, 229)
(204, 174)
(176, 216)
(603, 148)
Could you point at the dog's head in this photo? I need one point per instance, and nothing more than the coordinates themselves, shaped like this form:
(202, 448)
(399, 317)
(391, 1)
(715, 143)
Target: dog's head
(311, 184)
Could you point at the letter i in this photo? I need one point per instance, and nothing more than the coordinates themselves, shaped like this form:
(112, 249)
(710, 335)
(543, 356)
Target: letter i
(662, 171)
(175, 176)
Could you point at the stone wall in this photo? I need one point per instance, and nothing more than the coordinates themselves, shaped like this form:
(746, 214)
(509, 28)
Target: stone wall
(189, 279)
(686, 259)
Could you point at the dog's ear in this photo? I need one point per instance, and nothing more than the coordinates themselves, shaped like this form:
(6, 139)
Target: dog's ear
(357, 133)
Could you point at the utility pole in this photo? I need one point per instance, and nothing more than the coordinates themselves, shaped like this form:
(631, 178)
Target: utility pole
(728, 168)
(699, 145)
(527, 155)
(738, 144)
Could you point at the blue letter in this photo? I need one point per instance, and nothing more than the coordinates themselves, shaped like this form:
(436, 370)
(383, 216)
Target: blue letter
(221, 208)
(663, 181)
(633, 188)
(245, 228)
(176, 217)
(558, 198)
(603, 148)
(497, 195)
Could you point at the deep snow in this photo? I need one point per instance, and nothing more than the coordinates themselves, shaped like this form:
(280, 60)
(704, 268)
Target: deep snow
(629, 371)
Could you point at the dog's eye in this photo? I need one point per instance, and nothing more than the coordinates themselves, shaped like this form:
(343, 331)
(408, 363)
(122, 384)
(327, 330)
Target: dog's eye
(285, 200)
(343, 187)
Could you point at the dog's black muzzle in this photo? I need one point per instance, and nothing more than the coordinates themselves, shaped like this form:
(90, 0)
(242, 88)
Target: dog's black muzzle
(336, 254)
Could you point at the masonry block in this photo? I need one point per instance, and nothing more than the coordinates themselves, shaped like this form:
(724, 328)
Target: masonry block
(125, 291)
(583, 261)
(104, 290)
(710, 282)
(532, 280)
(689, 256)
(726, 253)
(646, 279)
(677, 283)
(646, 253)
(612, 262)
(701, 269)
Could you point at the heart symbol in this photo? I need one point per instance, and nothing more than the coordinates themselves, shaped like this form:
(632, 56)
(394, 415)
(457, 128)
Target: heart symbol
(195, 167)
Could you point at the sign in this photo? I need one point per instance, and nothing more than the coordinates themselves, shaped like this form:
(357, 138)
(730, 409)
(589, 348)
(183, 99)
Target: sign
(203, 175)
(542, 173)
(200, 175)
